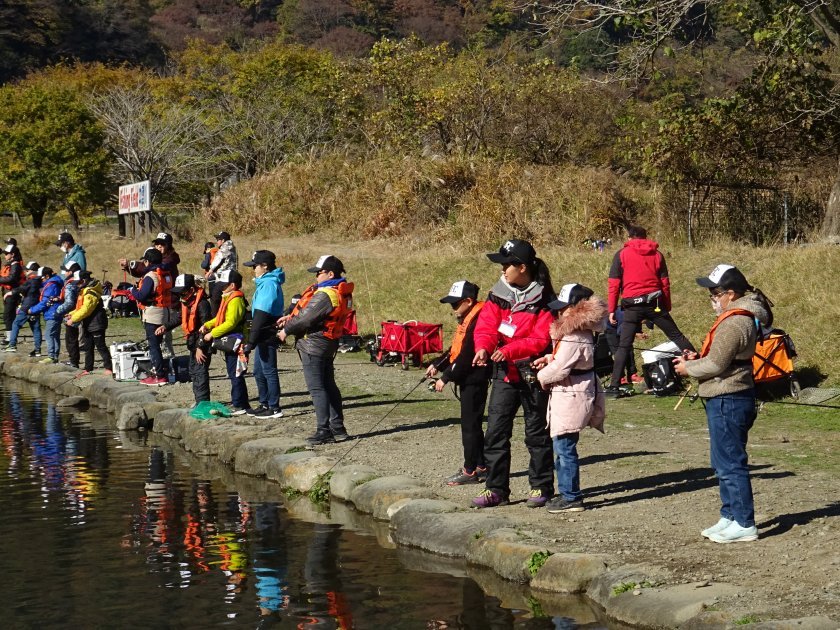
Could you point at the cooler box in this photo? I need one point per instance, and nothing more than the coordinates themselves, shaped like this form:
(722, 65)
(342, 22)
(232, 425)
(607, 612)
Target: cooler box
(126, 364)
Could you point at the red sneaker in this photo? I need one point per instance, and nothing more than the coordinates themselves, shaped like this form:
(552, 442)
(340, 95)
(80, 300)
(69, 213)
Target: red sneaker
(637, 379)
(155, 381)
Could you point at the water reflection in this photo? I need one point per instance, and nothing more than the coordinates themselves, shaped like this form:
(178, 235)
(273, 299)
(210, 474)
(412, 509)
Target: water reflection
(125, 530)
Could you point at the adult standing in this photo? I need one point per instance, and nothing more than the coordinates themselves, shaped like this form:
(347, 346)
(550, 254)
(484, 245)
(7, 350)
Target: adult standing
(154, 297)
(724, 369)
(225, 259)
(30, 293)
(639, 276)
(73, 251)
(12, 275)
(266, 307)
(512, 331)
(317, 322)
(170, 259)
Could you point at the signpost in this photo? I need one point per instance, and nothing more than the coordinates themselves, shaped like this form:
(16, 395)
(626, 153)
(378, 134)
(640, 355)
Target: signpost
(135, 199)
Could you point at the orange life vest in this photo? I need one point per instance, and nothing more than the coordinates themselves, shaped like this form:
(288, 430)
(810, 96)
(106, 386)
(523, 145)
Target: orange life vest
(163, 290)
(188, 315)
(707, 342)
(461, 331)
(333, 326)
(6, 274)
(220, 316)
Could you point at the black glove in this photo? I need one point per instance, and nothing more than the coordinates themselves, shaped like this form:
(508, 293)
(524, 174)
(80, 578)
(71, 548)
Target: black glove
(246, 348)
(33, 318)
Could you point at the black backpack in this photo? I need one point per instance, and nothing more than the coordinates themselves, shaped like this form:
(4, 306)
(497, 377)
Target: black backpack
(661, 378)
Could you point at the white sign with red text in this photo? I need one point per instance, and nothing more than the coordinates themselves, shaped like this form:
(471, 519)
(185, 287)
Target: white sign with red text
(135, 198)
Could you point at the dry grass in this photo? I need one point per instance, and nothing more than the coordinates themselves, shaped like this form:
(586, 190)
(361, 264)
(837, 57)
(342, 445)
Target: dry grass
(471, 201)
(403, 278)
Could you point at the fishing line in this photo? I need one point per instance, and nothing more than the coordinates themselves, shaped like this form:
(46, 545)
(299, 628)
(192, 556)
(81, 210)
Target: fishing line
(357, 440)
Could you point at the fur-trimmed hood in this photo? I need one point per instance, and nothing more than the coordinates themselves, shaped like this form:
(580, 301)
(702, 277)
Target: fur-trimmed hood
(588, 314)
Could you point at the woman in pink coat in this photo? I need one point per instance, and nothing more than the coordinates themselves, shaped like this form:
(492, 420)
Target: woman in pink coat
(575, 400)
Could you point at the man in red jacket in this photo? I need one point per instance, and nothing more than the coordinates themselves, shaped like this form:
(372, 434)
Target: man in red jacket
(639, 276)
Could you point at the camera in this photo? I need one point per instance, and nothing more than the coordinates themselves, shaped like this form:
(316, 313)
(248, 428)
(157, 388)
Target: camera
(526, 371)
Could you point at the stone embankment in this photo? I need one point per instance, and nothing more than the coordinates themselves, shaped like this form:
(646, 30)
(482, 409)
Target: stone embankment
(634, 595)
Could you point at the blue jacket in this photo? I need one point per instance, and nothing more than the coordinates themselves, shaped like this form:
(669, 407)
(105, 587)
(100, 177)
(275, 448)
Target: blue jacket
(266, 306)
(268, 295)
(71, 294)
(50, 291)
(77, 255)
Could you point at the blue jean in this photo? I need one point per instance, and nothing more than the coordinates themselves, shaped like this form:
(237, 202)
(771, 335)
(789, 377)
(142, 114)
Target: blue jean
(53, 327)
(20, 319)
(155, 353)
(264, 358)
(566, 466)
(238, 388)
(730, 418)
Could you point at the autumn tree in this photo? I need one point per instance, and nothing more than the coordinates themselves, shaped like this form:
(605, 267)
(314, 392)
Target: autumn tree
(51, 153)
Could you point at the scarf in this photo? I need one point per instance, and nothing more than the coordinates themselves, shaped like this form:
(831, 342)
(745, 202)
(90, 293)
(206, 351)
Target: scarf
(519, 299)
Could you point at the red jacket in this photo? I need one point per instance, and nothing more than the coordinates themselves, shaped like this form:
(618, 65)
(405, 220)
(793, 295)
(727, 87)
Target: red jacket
(530, 339)
(638, 269)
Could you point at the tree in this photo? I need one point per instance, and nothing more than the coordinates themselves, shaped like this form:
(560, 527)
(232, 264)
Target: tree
(151, 140)
(51, 153)
(794, 42)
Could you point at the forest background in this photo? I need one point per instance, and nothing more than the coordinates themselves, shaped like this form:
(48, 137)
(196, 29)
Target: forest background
(471, 119)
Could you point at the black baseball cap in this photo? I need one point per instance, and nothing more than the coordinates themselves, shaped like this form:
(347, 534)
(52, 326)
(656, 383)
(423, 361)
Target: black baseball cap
(222, 236)
(725, 277)
(230, 276)
(163, 239)
(10, 248)
(11, 241)
(461, 290)
(183, 283)
(569, 295)
(262, 257)
(328, 263)
(514, 251)
(32, 265)
(64, 237)
(72, 266)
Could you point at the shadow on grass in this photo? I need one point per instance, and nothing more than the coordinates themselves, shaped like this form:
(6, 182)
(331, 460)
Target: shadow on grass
(785, 522)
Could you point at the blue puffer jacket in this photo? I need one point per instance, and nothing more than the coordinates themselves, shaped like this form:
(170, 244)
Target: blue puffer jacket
(49, 301)
(71, 294)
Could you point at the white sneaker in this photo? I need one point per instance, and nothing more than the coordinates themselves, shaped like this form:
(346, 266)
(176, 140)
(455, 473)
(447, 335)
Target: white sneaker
(722, 524)
(735, 533)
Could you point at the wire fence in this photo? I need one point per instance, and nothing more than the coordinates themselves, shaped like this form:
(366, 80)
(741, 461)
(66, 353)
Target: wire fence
(752, 214)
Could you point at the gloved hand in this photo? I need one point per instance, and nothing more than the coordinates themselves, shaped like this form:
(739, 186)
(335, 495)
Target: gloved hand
(246, 348)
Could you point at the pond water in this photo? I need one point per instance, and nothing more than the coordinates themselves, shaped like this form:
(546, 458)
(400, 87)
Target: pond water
(107, 529)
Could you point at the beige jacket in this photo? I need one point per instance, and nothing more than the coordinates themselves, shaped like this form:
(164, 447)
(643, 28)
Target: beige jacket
(734, 341)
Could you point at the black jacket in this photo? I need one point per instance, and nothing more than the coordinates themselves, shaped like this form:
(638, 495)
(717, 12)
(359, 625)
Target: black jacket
(462, 371)
(30, 291)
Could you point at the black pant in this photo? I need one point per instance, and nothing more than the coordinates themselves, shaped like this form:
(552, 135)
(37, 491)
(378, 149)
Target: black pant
(200, 376)
(611, 335)
(505, 399)
(71, 342)
(89, 340)
(10, 305)
(633, 317)
(473, 400)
